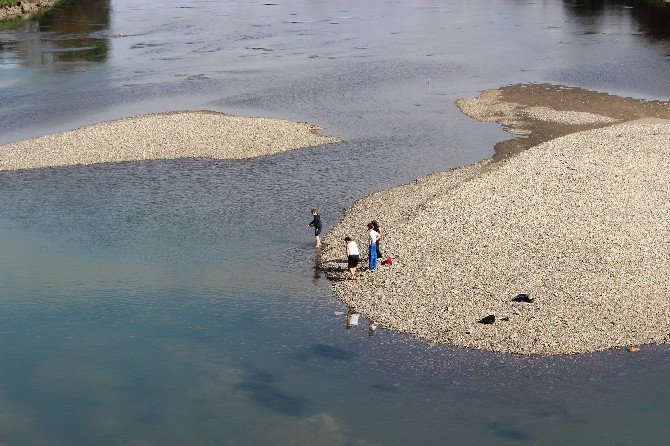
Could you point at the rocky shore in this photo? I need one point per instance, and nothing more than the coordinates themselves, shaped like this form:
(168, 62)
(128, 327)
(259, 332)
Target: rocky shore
(578, 223)
(24, 9)
(173, 135)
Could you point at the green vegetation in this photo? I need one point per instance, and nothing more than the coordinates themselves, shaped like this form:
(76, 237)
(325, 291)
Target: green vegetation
(6, 3)
(9, 24)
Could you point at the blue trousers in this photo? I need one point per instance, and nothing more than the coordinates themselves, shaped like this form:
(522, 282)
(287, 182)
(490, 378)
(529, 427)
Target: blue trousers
(372, 255)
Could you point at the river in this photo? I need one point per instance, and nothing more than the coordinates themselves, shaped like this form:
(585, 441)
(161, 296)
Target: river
(180, 302)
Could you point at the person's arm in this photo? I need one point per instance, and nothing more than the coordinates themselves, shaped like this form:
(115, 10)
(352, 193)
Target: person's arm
(348, 250)
(311, 223)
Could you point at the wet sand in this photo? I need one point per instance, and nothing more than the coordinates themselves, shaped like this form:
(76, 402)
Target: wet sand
(173, 135)
(579, 222)
(541, 112)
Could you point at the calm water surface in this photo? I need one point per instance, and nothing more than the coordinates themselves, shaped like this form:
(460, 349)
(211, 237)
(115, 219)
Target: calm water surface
(180, 302)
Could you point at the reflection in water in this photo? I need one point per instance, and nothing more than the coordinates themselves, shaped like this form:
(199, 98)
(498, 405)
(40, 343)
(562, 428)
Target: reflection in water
(653, 19)
(317, 267)
(352, 318)
(72, 31)
(10, 23)
(651, 16)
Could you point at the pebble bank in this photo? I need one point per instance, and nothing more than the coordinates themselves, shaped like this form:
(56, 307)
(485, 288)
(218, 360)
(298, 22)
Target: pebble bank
(580, 223)
(173, 135)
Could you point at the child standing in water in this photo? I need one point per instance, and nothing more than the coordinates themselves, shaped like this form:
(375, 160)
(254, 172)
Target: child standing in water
(372, 250)
(352, 256)
(316, 222)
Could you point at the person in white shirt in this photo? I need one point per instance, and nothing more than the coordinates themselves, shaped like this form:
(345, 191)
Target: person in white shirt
(352, 256)
(375, 226)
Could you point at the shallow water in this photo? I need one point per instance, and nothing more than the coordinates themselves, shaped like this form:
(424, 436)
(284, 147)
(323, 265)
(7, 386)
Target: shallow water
(180, 302)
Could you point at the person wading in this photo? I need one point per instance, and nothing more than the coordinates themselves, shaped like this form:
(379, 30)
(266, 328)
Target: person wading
(316, 222)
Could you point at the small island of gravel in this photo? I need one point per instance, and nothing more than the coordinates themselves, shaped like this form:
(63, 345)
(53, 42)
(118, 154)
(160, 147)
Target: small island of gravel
(202, 134)
(580, 222)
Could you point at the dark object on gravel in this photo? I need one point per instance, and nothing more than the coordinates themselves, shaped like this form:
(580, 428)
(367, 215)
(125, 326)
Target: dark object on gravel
(523, 298)
(488, 319)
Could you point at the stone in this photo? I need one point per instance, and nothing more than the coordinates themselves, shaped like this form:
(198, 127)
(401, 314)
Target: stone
(487, 319)
(523, 298)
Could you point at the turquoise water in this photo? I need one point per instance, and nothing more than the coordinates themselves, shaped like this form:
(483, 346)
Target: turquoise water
(181, 302)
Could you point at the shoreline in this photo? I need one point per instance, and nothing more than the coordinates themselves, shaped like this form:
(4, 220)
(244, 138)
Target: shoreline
(538, 113)
(25, 9)
(172, 135)
(577, 221)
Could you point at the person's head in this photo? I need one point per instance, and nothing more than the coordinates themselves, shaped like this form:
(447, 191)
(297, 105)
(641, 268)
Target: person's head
(347, 239)
(314, 212)
(375, 225)
(370, 226)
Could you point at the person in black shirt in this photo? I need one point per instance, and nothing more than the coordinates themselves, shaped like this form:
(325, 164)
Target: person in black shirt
(316, 222)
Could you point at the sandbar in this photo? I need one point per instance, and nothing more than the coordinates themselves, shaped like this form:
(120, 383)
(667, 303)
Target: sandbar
(579, 222)
(185, 134)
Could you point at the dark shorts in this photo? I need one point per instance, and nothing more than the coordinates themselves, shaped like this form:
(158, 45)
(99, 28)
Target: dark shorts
(352, 261)
(317, 231)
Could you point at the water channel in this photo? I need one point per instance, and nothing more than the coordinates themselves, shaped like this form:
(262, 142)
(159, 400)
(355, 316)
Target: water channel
(180, 302)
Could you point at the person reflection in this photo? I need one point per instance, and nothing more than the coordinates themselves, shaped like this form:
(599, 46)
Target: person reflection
(317, 267)
(371, 329)
(351, 318)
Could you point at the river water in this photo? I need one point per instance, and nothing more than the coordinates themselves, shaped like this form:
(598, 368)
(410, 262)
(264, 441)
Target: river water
(180, 302)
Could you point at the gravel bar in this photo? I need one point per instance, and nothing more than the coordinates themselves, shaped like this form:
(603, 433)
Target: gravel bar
(579, 223)
(202, 134)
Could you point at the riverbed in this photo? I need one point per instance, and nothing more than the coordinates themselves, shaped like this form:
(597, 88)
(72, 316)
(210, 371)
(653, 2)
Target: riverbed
(181, 302)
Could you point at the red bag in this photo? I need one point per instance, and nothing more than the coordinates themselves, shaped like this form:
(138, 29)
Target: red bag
(388, 261)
